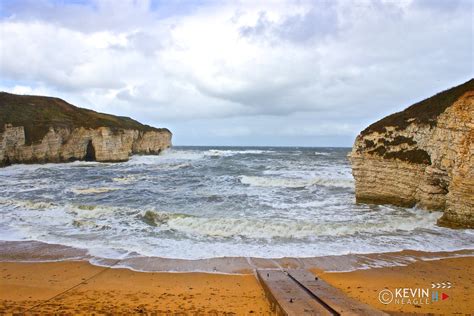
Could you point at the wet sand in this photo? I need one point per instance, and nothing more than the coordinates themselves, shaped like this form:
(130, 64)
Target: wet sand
(35, 251)
(79, 287)
(365, 285)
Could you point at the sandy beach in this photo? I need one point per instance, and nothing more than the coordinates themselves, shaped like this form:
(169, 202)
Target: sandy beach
(79, 287)
(365, 285)
(274, 158)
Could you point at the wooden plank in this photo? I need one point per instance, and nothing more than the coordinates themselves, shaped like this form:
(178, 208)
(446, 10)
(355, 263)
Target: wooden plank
(287, 297)
(332, 296)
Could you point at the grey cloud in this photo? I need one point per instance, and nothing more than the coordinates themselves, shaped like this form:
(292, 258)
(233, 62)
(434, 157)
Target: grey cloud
(263, 98)
(317, 23)
(262, 26)
(145, 42)
(446, 6)
(87, 16)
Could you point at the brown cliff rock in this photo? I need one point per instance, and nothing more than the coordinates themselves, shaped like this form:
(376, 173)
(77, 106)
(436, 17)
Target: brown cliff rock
(422, 156)
(37, 129)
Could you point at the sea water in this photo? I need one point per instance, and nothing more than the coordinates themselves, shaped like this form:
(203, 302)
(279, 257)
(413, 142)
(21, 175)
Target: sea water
(205, 202)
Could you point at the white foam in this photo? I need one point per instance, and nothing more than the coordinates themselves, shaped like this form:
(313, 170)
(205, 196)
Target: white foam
(227, 153)
(28, 204)
(319, 153)
(206, 210)
(90, 211)
(172, 166)
(167, 156)
(96, 190)
(126, 179)
(279, 228)
(295, 182)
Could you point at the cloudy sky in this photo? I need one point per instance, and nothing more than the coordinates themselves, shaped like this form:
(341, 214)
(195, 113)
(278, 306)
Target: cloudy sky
(311, 73)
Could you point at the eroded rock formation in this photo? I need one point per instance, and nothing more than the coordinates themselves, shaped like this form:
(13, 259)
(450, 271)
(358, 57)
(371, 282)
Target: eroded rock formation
(37, 129)
(422, 156)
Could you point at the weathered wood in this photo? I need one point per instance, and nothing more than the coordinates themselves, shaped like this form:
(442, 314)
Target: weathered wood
(287, 297)
(331, 296)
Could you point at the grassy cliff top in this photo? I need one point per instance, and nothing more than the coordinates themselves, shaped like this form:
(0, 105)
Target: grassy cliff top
(38, 113)
(423, 112)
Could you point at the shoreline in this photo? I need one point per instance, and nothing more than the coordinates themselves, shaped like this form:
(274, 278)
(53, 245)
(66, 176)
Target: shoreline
(40, 252)
(75, 286)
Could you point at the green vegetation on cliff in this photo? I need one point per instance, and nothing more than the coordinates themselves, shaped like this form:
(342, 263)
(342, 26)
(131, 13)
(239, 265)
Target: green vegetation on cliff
(423, 112)
(38, 113)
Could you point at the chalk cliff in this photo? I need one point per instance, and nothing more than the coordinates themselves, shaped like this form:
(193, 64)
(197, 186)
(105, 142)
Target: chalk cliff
(422, 156)
(36, 129)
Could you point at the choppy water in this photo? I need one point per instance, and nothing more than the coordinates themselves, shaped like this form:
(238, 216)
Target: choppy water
(201, 202)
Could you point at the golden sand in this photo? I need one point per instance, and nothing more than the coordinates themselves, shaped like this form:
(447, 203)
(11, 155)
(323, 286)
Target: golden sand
(74, 287)
(37, 287)
(365, 285)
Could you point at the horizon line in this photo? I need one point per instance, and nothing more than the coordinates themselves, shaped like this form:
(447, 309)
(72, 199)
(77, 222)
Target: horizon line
(280, 146)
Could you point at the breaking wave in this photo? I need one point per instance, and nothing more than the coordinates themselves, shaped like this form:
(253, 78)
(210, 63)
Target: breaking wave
(321, 153)
(295, 182)
(155, 218)
(228, 153)
(126, 179)
(93, 190)
(279, 228)
(169, 156)
(196, 202)
(39, 205)
(89, 224)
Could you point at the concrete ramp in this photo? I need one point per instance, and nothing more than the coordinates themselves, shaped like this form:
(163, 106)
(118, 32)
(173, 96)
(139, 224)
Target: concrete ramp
(298, 292)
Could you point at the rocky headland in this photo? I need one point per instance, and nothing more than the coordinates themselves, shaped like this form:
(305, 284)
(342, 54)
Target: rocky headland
(37, 129)
(422, 156)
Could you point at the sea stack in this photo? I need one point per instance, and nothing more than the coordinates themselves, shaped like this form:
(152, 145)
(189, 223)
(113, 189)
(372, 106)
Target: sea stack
(37, 129)
(422, 156)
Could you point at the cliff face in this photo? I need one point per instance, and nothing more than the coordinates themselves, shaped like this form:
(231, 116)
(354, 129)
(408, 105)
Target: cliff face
(422, 156)
(41, 129)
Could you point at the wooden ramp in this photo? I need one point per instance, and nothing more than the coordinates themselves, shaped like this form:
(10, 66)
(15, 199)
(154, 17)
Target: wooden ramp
(298, 292)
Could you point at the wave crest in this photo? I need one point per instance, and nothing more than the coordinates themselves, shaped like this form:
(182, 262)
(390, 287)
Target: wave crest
(97, 190)
(296, 182)
(155, 218)
(321, 153)
(288, 229)
(227, 153)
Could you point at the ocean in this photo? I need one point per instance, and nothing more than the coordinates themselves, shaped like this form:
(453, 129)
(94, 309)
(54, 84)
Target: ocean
(208, 202)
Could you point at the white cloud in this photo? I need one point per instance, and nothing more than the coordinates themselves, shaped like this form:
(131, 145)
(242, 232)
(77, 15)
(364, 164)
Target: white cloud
(340, 64)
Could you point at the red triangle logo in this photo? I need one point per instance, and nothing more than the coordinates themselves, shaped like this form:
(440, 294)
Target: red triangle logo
(444, 296)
